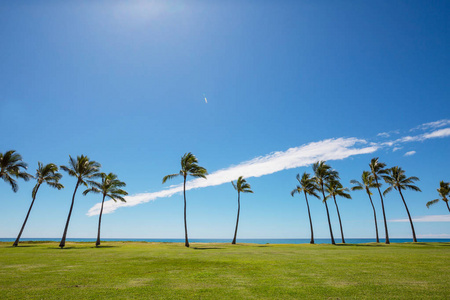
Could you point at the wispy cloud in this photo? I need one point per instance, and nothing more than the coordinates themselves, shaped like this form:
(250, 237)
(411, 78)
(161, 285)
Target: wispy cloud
(388, 134)
(431, 218)
(331, 149)
(432, 125)
(396, 149)
(409, 153)
(437, 236)
(440, 133)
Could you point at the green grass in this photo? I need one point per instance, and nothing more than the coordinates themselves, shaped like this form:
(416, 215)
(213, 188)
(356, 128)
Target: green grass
(218, 271)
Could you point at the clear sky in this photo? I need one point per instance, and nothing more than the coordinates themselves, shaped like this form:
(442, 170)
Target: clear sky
(287, 83)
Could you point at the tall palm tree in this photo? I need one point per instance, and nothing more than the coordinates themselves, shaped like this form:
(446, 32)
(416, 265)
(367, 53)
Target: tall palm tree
(109, 187)
(378, 169)
(11, 164)
(335, 188)
(44, 174)
(367, 184)
(308, 187)
(323, 174)
(189, 167)
(83, 169)
(397, 179)
(444, 191)
(241, 186)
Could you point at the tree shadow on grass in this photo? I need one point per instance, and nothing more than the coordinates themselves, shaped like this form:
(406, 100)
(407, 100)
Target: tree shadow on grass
(440, 244)
(362, 245)
(67, 248)
(206, 248)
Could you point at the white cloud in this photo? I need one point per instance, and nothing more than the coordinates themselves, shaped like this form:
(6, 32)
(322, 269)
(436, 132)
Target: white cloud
(440, 133)
(431, 218)
(409, 153)
(396, 149)
(432, 125)
(331, 149)
(384, 134)
(437, 235)
(388, 134)
(437, 134)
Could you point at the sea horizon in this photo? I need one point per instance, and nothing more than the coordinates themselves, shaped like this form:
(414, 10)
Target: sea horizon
(245, 241)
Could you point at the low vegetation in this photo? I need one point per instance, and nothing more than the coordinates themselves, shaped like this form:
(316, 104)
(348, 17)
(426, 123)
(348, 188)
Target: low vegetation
(41, 270)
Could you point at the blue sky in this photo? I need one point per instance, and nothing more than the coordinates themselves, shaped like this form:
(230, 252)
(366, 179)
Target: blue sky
(123, 82)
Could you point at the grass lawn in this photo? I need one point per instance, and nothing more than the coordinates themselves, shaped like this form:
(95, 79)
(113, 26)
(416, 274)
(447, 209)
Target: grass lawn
(169, 270)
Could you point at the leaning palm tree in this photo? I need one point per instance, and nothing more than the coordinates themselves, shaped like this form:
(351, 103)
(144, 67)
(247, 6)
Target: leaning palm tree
(367, 184)
(444, 191)
(241, 186)
(323, 174)
(397, 179)
(189, 166)
(83, 169)
(308, 187)
(109, 187)
(335, 188)
(44, 174)
(11, 164)
(378, 169)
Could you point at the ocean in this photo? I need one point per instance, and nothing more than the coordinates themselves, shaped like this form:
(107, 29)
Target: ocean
(252, 241)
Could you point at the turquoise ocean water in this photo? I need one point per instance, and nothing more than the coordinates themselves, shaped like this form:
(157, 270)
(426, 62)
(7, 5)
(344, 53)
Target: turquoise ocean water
(253, 241)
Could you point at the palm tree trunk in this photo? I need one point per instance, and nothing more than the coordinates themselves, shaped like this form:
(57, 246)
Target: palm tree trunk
(310, 221)
(237, 221)
(329, 221)
(447, 206)
(409, 216)
(384, 214)
(63, 240)
(374, 217)
(99, 223)
(339, 217)
(186, 241)
(16, 243)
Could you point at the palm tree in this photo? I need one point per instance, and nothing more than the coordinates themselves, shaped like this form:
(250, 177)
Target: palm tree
(10, 165)
(377, 169)
(335, 188)
(44, 174)
(83, 169)
(109, 187)
(308, 187)
(397, 179)
(367, 184)
(189, 166)
(322, 174)
(444, 191)
(241, 186)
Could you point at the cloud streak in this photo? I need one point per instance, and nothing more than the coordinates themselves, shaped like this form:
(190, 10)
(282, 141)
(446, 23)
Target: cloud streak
(425, 219)
(432, 125)
(331, 149)
(409, 153)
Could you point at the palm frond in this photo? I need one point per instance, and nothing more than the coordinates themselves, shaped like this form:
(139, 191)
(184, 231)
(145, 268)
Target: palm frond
(389, 189)
(91, 190)
(55, 185)
(412, 187)
(167, 177)
(429, 203)
(34, 191)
